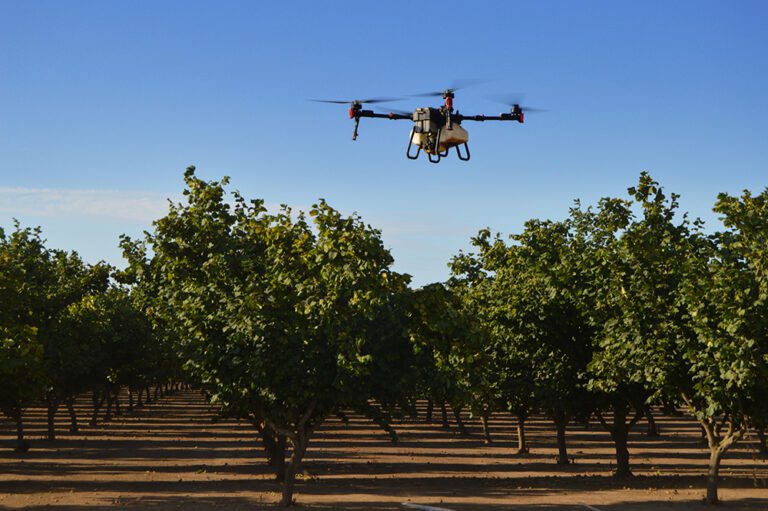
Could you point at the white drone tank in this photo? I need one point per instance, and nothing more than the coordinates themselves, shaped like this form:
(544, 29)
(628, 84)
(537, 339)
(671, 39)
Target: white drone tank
(448, 138)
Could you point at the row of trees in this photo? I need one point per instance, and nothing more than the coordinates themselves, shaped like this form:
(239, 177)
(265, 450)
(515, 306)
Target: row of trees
(287, 319)
(67, 328)
(621, 306)
(287, 322)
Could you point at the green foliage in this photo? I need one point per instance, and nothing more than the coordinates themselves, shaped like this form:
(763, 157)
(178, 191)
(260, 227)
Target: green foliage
(23, 260)
(21, 369)
(525, 294)
(638, 265)
(279, 317)
(71, 324)
(447, 346)
(286, 318)
(64, 325)
(727, 294)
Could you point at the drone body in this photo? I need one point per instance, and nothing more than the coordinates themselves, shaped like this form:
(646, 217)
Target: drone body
(435, 130)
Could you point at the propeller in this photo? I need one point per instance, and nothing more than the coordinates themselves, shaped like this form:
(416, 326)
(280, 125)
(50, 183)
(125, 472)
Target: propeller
(514, 100)
(455, 85)
(356, 101)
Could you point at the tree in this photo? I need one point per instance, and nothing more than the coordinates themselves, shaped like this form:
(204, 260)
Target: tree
(59, 326)
(540, 339)
(549, 323)
(726, 357)
(477, 276)
(615, 374)
(445, 343)
(69, 328)
(471, 284)
(21, 358)
(288, 321)
(23, 265)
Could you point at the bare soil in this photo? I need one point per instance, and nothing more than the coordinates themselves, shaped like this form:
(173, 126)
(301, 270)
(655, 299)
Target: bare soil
(173, 454)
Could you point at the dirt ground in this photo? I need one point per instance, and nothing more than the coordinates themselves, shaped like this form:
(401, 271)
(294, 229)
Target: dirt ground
(173, 455)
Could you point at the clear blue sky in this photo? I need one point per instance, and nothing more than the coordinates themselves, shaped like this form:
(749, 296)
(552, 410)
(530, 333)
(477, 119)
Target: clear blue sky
(103, 105)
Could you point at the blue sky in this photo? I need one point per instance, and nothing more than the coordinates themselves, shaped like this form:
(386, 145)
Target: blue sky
(103, 105)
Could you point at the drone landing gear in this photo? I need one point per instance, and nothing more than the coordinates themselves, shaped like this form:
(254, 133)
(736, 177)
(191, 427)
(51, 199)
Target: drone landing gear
(466, 152)
(435, 155)
(410, 144)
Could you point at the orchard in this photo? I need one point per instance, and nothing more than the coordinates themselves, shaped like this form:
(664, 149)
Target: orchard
(620, 312)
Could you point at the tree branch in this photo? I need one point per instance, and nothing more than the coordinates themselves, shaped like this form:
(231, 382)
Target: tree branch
(709, 429)
(638, 415)
(602, 421)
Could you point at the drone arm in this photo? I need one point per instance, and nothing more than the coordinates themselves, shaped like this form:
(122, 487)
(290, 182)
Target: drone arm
(391, 116)
(482, 118)
(357, 114)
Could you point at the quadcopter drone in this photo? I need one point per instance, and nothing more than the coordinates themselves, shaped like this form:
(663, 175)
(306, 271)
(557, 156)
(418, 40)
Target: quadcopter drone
(435, 130)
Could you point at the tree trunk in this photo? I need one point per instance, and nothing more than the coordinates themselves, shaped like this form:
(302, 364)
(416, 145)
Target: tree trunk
(300, 444)
(712, 475)
(669, 409)
(21, 444)
(620, 435)
(130, 399)
(108, 412)
(73, 428)
(444, 414)
(622, 453)
(139, 400)
(97, 399)
(717, 447)
(430, 407)
(279, 458)
(561, 421)
(413, 410)
(149, 396)
(762, 447)
(118, 411)
(459, 423)
(157, 391)
(619, 431)
(53, 405)
(486, 429)
(653, 430)
(522, 444)
(274, 448)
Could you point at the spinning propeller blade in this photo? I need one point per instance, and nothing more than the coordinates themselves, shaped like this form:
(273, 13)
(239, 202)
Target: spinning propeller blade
(370, 101)
(514, 100)
(455, 85)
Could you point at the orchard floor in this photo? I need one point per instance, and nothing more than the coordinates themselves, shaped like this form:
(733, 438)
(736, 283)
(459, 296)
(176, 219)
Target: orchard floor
(173, 455)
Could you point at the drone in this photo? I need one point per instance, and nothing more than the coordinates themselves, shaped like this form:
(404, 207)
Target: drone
(435, 130)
